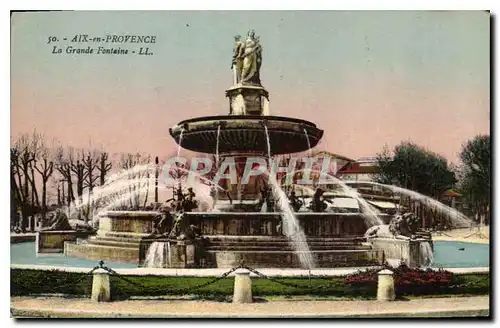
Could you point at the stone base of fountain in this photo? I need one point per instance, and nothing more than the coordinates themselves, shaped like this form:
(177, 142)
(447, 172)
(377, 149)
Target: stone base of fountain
(277, 252)
(334, 239)
(50, 242)
(183, 253)
(412, 252)
(118, 238)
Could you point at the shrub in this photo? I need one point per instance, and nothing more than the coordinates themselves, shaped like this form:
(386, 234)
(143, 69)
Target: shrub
(409, 281)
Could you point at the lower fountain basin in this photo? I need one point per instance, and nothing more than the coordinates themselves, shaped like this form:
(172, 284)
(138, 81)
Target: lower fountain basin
(256, 238)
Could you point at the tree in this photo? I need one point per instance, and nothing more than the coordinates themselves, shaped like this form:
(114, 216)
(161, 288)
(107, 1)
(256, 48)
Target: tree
(81, 174)
(139, 179)
(90, 165)
(104, 166)
(64, 161)
(416, 168)
(22, 168)
(45, 167)
(16, 197)
(475, 172)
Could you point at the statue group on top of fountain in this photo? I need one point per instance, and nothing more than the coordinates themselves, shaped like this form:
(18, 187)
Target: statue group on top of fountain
(247, 59)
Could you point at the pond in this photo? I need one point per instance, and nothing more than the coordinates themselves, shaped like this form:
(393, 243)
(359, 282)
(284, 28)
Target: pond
(447, 254)
(452, 254)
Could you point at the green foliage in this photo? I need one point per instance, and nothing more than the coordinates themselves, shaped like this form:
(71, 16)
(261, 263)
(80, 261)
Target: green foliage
(415, 168)
(26, 282)
(475, 170)
(29, 282)
(419, 282)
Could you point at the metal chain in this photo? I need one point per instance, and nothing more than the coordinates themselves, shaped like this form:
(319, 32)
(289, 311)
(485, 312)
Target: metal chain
(260, 274)
(171, 291)
(188, 289)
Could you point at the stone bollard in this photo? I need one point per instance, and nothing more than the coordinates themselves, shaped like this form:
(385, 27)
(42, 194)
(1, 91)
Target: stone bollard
(385, 286)
(101, 291)
(242, 288)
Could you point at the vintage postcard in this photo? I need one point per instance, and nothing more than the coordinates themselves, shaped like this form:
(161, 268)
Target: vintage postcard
(250, 164)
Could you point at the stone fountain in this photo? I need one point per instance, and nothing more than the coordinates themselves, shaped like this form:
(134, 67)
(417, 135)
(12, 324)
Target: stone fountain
(237, 229)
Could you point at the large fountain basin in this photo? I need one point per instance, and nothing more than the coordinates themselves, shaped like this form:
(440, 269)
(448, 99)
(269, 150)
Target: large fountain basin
(246, 134)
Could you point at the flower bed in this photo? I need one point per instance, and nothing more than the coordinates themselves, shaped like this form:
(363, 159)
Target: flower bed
(411, 281)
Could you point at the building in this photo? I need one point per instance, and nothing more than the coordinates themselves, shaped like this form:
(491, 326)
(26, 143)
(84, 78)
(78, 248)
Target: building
(363, 169)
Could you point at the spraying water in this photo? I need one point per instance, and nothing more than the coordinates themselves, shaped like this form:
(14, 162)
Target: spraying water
(159, 255)
(426, 254)
(308, 142)
(459, 219)
(179, 147)
(371, 213)
(291, 226)
(268, 144)
(217, 147)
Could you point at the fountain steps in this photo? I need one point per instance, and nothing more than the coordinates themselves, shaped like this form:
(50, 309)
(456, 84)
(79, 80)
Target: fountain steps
(121, 239)
(117, 243)
(283, 239)
(290, 259)
(289, 248)
(281, 242)
(102, 252)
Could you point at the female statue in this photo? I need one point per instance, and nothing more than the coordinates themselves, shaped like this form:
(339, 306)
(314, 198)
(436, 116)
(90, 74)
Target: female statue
(252, 59)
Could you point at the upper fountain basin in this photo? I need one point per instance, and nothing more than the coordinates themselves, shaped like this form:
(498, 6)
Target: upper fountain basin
(246, 133)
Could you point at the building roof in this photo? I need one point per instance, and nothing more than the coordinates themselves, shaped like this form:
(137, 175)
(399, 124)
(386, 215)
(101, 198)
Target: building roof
(333, 155)
(367, 159)
(355, 168)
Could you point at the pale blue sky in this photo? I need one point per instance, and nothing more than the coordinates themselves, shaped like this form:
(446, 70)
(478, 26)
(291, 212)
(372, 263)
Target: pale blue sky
(366, 78)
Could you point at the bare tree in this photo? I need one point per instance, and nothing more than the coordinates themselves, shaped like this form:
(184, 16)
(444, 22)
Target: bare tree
(63, 160)
(139, 179)
(17, 199)
(24, 156)
(45, 166)
(90, 166)
(78, 168)
(104, 166)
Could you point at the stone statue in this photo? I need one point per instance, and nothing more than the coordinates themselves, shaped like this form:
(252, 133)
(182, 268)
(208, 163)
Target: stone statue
(295, 201)
(162, 222)
(176, 228)
(318, 204)
(57, 221)
(237, 62)
(190, 203)
(402, 226)
(251, 59)
(266, 198)
(399, 226)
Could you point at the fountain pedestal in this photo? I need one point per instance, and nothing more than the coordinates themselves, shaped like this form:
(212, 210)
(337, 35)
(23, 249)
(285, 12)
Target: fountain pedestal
(248, 100)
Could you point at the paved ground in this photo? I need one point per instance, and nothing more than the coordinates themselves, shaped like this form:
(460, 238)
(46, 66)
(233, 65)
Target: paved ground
(472, 235)
(84, 308)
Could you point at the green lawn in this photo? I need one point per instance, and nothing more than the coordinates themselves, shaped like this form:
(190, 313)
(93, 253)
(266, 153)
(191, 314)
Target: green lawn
(32, 282)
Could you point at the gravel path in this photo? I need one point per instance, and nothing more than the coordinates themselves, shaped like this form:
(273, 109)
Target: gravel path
(64, 308)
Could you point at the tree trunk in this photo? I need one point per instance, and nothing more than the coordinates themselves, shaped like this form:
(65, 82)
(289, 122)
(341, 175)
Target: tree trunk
(44, 199)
